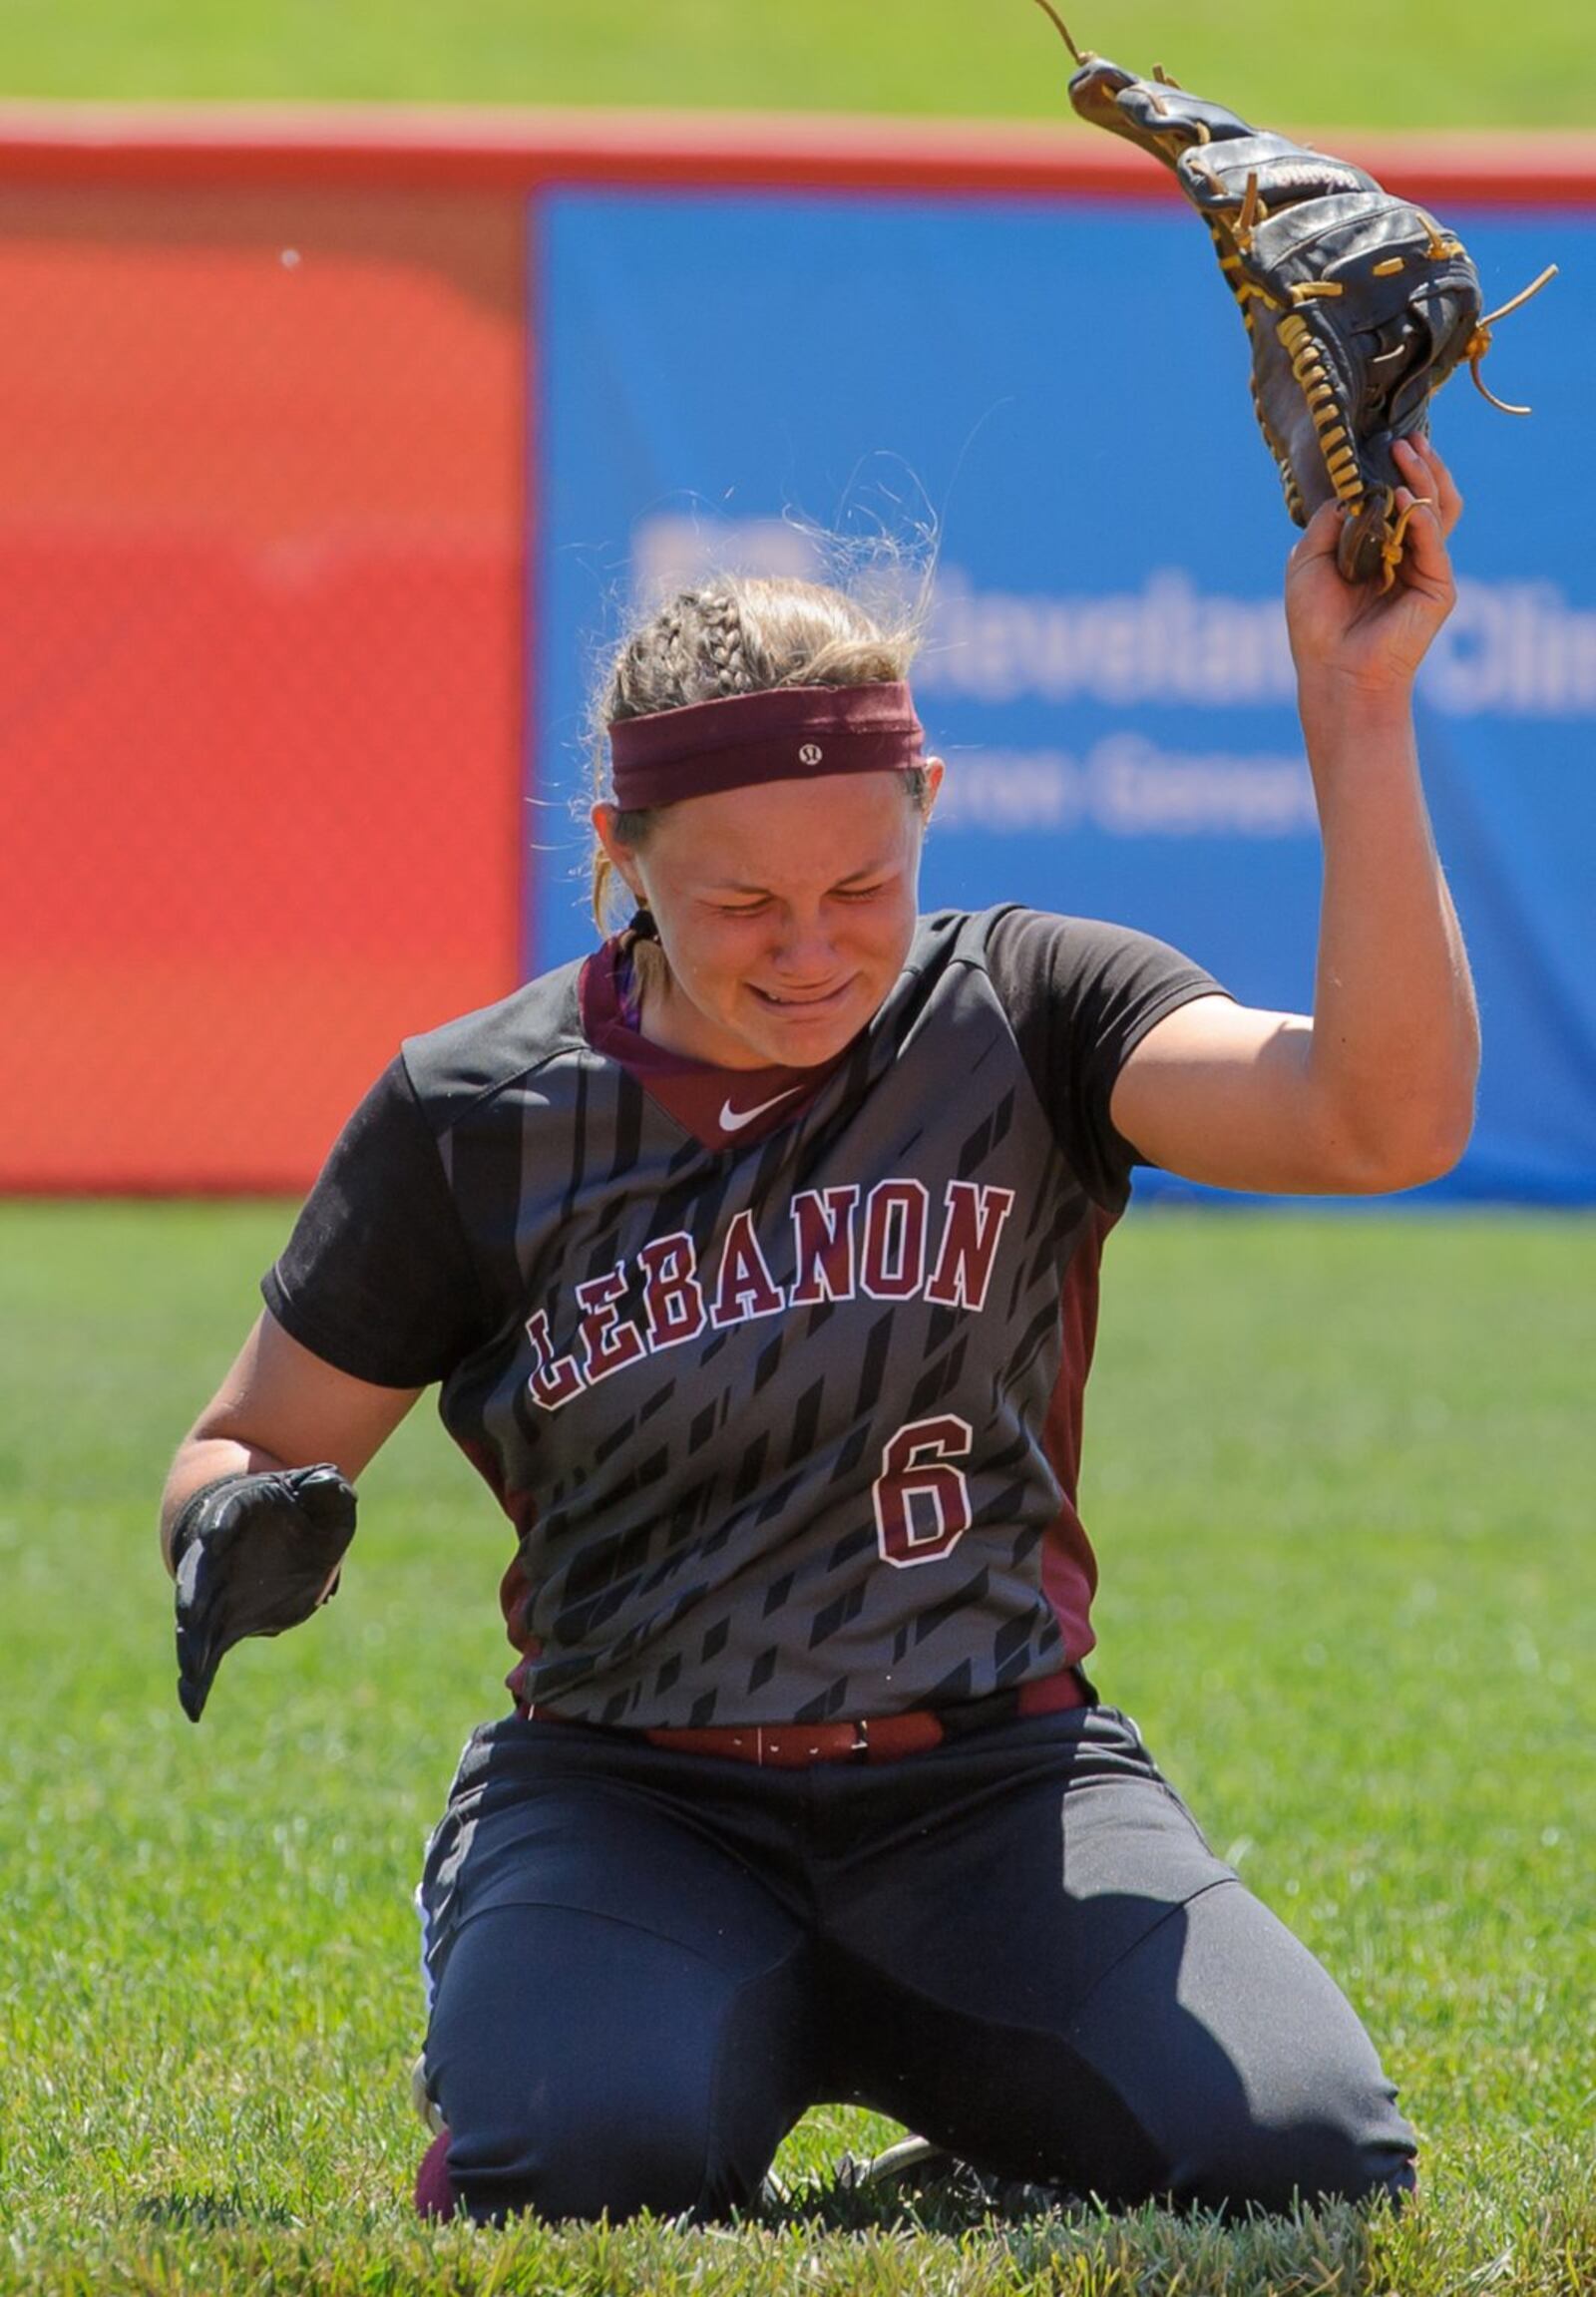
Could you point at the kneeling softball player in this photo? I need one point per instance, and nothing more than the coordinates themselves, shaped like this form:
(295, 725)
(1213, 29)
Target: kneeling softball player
(757, 1259)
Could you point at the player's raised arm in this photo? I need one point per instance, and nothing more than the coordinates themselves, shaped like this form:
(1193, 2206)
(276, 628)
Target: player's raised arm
(1376, 1090)
(259, 1505)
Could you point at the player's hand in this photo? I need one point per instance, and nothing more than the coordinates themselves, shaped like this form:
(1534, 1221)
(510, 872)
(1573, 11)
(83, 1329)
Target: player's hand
(253, 1555)
(1355, 636)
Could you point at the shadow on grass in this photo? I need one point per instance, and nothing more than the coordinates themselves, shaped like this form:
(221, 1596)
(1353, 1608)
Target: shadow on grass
(213, 2212)
(944, 2195)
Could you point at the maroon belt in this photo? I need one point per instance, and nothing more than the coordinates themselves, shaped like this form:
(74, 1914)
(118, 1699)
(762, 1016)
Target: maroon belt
(867, 1738)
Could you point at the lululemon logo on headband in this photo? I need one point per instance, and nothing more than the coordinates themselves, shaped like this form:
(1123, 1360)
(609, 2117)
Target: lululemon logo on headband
(811, 754)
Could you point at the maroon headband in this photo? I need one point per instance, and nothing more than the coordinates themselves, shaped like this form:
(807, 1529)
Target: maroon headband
(782, 734)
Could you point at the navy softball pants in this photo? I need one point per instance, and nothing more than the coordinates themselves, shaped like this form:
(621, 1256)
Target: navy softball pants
(645, 1966)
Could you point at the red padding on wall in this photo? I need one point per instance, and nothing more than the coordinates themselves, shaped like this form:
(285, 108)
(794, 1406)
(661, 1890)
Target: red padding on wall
(262, 541)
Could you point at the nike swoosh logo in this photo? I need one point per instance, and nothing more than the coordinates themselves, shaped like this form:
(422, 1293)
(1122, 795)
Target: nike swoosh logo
(732, 1120)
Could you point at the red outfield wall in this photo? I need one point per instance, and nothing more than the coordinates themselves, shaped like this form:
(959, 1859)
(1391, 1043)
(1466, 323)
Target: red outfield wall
(263, 527)
(260, 538)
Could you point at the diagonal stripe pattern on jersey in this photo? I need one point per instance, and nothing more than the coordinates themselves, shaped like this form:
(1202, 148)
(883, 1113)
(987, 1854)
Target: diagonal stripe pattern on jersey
(787, 1430)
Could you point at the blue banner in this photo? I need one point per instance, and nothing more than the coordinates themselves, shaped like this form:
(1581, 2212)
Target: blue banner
(1059, 386)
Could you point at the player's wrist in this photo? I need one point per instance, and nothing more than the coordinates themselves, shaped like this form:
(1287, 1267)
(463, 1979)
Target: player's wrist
(1342, 711)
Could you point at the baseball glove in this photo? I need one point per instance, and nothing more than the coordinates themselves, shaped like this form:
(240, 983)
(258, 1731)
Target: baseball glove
(1357, 305)
(253, 1555)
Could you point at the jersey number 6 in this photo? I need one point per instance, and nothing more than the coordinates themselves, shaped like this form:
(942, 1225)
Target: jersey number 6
(922, 1498)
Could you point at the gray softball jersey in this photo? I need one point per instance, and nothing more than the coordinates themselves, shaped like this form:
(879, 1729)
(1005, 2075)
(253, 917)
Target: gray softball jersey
(782, 1399)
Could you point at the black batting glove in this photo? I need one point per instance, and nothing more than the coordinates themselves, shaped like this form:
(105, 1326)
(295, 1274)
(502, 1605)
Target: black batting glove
(253, 1554)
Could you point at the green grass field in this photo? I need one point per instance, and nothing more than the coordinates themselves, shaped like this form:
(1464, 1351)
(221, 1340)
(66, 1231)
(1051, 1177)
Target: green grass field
(1338, 1473)
(1427, 64)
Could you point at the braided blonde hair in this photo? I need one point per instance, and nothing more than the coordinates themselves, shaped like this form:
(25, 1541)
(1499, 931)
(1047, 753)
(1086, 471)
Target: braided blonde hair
(737, 634)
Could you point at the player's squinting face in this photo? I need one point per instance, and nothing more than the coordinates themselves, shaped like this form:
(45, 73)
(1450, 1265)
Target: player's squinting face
(786, 913)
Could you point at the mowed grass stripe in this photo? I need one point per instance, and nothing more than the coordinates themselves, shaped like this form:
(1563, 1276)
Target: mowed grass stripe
(1338, 1473)
(1425, 65)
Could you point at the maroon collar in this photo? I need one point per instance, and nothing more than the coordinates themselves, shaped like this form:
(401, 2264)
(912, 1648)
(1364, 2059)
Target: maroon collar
(723, 1108)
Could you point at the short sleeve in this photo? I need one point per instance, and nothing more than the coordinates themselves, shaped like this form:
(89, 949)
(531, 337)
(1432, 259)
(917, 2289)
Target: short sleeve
(1080, 995)
(377, 1279)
